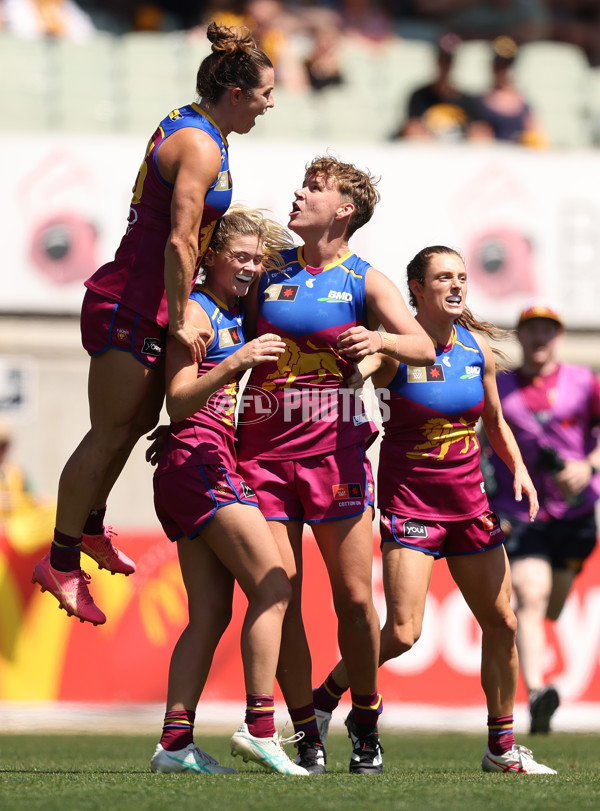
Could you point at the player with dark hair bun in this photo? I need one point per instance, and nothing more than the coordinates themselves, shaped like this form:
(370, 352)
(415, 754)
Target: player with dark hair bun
(135, 300)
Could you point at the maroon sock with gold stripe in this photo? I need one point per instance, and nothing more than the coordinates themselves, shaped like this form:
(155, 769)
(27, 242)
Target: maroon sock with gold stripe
(305, 720)
(501, 734)
(65, 552)
(260, 715)
(327, 696)
(366, 711)
(178, 729)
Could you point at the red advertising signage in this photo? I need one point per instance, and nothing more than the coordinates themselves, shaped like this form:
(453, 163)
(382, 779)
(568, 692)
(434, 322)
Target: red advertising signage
(45, 655)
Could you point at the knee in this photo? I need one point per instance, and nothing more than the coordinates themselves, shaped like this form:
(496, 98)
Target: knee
(274, 592)
(211, 621)
(117, 437)
(283, 595)
(143, 424)
(397, 639)
(533, 600)
(355, 610)
(110, 439)
(501, 631)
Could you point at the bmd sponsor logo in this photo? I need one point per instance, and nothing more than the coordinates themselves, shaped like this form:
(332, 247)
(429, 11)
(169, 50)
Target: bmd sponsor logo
(337, 296)
(470, 372)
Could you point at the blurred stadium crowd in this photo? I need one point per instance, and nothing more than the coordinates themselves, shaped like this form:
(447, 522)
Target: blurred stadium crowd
(345, 68)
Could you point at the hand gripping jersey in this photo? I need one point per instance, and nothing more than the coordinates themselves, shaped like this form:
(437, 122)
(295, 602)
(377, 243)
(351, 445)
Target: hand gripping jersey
(208, 436)
(300, 402)
(565, 424)
(135, 277)
(429, 455)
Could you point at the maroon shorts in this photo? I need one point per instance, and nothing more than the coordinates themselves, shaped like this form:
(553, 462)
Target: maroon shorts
(443, 539)
(186, 499)
(312, 488)
(108, 325)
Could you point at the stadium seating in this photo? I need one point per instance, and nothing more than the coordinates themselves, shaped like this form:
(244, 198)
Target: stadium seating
(25, 84)
(472, 69)
(125, 83)
(555, 77)
(85, 97)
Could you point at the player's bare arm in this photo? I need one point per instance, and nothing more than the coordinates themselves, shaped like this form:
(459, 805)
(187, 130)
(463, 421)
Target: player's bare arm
(404, 339)
(191, 160)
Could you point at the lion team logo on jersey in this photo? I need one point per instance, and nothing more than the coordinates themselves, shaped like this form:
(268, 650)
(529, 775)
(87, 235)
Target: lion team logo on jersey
(229, 336)
(122, 334)
(343, 491)
(281, 292)
(442, 435)
(426, 374)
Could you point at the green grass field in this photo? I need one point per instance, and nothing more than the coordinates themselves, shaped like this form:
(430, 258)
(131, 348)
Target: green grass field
(421, 771)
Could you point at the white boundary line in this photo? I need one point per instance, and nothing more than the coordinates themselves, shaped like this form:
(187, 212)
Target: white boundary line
(66, 717)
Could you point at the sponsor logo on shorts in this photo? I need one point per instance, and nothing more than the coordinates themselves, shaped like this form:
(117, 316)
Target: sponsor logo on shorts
(426, 374)
(281, 292)
(337, 296)
(491, 523)
(386, 522)
(412, 529)
(229, 337)
(247, 491)
(343, 491)
(152, 347)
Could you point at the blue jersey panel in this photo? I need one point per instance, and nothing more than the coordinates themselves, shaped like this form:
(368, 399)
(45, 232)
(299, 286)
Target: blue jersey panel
(453, 385)
(300, 302)
(227, 326)
(218, 196)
